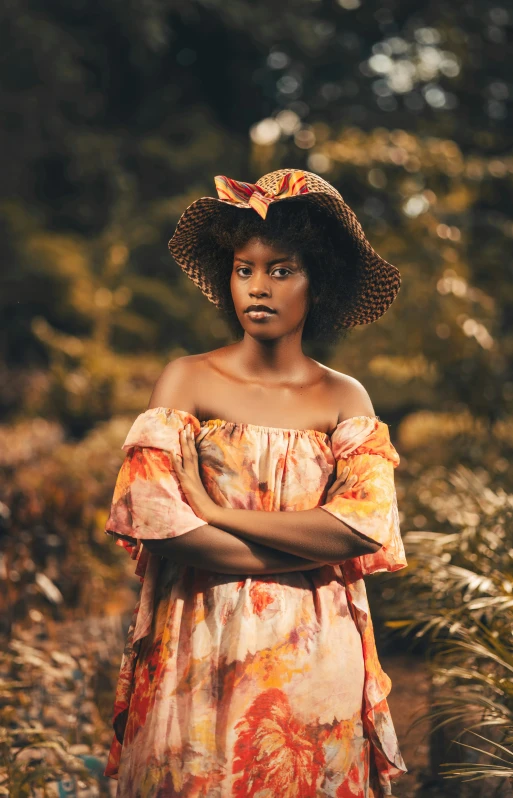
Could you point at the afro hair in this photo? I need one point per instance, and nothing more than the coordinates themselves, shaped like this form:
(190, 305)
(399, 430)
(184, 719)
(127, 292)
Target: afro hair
(323, 247)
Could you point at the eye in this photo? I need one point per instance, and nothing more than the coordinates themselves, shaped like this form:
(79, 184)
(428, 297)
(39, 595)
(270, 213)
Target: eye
(281, 269)
(241, 269)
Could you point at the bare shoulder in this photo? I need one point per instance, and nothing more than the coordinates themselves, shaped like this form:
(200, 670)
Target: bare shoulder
(173, 387)
(349, 395)
(180, 382)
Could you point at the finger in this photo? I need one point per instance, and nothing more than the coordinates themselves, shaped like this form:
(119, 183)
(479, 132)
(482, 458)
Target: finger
(176, 462)
(191, 438)
(180, 456)
(343, 487)
(191, 442)
(186, 455)
(188, 447)
(351, 482)
(339, 487)
(340, 481)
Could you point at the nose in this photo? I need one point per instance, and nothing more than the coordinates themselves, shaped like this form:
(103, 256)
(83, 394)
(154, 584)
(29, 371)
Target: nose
(259, 286)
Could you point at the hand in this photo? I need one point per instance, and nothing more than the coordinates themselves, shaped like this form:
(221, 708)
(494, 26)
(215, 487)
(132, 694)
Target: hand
(135, 544)
(342, 484)
(187, 471)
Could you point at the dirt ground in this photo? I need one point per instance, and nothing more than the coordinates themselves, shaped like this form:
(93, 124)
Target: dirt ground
(407, 701)
(74, 667)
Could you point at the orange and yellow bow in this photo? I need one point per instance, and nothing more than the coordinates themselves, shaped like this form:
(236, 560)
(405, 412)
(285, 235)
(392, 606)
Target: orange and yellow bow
(290, 185)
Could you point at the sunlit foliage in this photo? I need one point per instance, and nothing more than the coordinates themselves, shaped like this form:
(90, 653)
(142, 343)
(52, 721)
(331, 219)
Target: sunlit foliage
(460, 590)
(116, 118)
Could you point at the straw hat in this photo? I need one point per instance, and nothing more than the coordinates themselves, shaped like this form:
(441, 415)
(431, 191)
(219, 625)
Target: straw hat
(378, 281)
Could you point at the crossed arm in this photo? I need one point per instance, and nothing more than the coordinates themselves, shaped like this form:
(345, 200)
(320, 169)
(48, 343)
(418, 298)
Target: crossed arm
(254, 541)
(251, 541)
(237, 547)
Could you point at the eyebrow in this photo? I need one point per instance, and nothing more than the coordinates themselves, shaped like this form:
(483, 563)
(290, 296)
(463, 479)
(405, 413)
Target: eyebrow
(269, 263)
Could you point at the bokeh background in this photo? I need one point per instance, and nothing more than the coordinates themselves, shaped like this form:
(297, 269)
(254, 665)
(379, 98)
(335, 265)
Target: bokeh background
(116, 116)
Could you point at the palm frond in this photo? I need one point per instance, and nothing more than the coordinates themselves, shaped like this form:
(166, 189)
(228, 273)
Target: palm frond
(460, 581)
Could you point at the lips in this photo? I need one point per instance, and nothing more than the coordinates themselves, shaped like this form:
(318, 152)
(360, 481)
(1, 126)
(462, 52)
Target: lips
(259, 308)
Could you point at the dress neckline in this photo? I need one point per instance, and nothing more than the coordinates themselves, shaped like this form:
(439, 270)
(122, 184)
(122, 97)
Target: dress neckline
(217, 422)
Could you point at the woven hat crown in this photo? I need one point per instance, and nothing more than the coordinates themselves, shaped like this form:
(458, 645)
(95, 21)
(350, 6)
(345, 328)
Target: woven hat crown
(377, 281)
(314, 183)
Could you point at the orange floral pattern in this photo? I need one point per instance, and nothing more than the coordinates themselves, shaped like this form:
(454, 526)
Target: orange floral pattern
(237, 686)
(274, 751)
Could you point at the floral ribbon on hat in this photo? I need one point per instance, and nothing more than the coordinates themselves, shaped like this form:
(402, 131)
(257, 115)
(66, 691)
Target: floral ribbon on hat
(291, 184)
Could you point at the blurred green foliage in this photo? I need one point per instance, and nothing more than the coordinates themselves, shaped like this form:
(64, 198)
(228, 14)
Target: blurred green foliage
(459, 586)
(118, 116)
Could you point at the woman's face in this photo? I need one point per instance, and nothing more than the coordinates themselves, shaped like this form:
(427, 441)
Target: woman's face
(267, 275)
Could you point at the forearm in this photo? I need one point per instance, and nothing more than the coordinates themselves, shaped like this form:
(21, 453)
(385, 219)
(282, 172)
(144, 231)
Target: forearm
(218, 550)
(313, 534)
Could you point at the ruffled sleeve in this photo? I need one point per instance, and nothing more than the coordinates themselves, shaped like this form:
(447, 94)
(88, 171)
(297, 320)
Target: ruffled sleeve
(370, 507)
(148, 501)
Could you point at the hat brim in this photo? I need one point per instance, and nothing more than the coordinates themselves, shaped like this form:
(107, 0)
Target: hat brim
(378, 281)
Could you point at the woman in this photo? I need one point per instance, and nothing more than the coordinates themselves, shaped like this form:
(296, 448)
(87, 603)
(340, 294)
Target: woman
(261, 485)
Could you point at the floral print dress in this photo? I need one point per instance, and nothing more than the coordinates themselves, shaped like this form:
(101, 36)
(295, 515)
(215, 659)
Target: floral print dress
(254, 686)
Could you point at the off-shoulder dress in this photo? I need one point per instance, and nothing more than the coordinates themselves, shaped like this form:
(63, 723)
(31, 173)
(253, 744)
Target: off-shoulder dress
(254, 686)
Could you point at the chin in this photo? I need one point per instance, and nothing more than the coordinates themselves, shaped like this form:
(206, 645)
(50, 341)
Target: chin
(265, 333)
(262, 333)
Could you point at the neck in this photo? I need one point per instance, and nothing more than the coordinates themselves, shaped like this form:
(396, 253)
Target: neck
(276, 360)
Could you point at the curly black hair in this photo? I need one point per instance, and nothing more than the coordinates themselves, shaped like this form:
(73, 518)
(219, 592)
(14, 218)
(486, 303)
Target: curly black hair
(324, 248)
